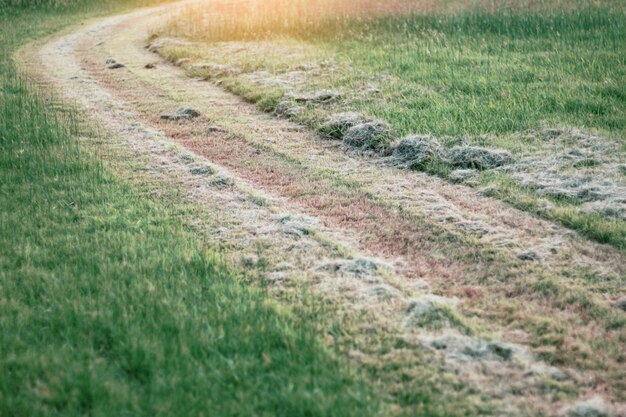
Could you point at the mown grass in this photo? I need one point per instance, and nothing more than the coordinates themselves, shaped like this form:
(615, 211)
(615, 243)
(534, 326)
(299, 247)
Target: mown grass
(479, 75)
(110, 306)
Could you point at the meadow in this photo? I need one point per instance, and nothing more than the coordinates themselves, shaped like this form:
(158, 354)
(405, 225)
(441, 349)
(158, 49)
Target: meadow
(109, 304)
(491, 74)
(112, 301)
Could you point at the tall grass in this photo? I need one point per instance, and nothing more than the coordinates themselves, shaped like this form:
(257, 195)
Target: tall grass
(501, 72)
(225, 20)
(11, 7)
(109, 305)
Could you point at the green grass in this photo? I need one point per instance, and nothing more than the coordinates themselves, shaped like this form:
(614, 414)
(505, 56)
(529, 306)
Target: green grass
(110, 306)
(480, 75)
(497, 73)
(37, 8)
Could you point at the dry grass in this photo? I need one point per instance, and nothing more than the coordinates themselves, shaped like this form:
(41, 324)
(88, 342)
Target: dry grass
(228, 20)
(259, 19)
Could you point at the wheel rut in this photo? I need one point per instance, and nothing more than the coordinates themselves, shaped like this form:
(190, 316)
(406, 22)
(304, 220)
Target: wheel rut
(377, 241)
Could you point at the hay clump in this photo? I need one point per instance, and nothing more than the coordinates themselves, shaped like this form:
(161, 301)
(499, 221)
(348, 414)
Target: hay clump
(208, 71)
(467, 349)
(430, 311)
(338, 124)
(364, 270)
(479, 158)
(287, 109)
(182, 113)
(321, 96)
(374, 136)
(593, 407)
(465, 176)
(113, 64)
(415, 152)
(201, 169)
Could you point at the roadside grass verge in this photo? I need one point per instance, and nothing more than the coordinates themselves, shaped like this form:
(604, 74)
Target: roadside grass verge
(494, 77)
(108, 303)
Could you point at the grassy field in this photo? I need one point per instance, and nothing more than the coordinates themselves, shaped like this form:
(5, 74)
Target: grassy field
(466, 73)
(112, 303)
(108, 303)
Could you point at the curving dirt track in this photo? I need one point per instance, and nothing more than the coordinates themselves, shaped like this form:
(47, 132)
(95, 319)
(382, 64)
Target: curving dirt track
(374, 240)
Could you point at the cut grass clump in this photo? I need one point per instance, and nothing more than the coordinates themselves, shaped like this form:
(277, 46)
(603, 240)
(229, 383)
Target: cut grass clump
(417, 152)
(337, 125)
(374, 136)
(111, 306)
(433, 313)
(478, 158)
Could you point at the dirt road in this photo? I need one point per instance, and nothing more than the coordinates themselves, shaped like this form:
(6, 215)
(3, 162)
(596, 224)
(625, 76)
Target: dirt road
(438, 268)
